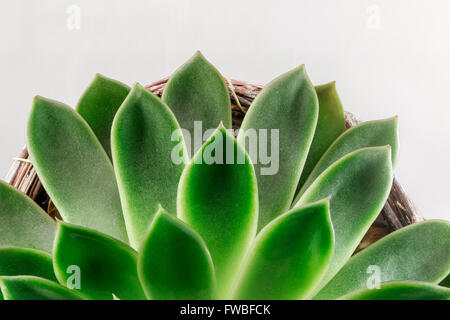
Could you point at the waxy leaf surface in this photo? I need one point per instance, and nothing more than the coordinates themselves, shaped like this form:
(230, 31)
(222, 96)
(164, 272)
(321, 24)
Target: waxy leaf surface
(359, 185)
(106, 266)
(99, 104)
(74, 168)
(34, 288)
(15, 261)
(367, 134)
(330, 125)
(197, 92)
(144, 135)
(420, 252)
(218, 198)
(401, 290)
(290, 255)
(287, 108)
(22, 222)
(174, 262)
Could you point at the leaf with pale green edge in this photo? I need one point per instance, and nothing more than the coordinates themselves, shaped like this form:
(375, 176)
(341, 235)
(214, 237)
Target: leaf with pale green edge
(185, 271)
(375, 133)
(330, 125)
(35, 288)
(106, 266)
(285, 114)
(22, 222)
(145, 134)
(401, 290)
(16, 261)
(290, 255)
(359, 184)
(73, 168)
(197, 92)
(420, 252)
(99, 104)
(218, 198)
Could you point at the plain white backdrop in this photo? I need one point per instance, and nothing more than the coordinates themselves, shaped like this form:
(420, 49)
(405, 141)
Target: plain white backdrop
(387, 57)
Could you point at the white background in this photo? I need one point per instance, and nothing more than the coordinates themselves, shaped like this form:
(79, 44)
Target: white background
(388, 58)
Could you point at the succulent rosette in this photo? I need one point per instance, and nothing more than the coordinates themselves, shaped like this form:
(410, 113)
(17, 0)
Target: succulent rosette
(149, 212)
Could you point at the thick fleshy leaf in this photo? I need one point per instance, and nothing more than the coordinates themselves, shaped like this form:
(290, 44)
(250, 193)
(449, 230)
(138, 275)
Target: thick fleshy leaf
(359, 185)
(401, 290)
(95, 264)
(330, 125)
(74, 168)
(15, 261)
(34, 288)
(219, 200)
(144, 135)
(174, 262)
(22, 222)
(368, 134)
(197, 92)
(420, 252)
(290, 255)
(99, 104)
(286, 113)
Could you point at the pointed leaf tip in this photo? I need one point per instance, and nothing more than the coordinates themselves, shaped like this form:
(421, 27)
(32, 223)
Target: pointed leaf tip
(101, 264)
(290, 255)
(188, 274)
(149, 155)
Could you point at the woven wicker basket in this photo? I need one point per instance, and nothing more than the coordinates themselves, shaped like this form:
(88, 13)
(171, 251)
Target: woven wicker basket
(398, 211)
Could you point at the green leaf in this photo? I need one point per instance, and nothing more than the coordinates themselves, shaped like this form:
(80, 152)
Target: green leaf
(401, 290)
(330, 125)
(368, 134)
(103, 265)
(22, 222)
(144, 135)
(287, 106)
(197, 92)
(420, 252)
(290, 255)
(174, 262)
(34, 288)
(446, 281)
(359, 184)
(74, 168)
(99, 104)
(15, 261)
(219, 200)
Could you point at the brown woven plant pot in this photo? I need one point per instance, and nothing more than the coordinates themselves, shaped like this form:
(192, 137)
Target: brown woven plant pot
(397, 213)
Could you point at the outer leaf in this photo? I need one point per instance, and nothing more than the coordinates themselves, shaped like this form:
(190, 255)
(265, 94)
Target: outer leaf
(34, 288)
(420, 252)
(290, 255)
(220, 202)
(99, 104)
(330, 125)
(22, 222)
(107, 266)
(174, 262)
(145, 170)
(16, 261)
(359, 185)
(74, 168)
(401, 290)
(368, 134)
(197, 92)
(289, 104)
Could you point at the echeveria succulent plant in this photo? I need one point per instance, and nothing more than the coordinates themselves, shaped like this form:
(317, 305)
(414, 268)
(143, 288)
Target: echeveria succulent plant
(154, 207)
